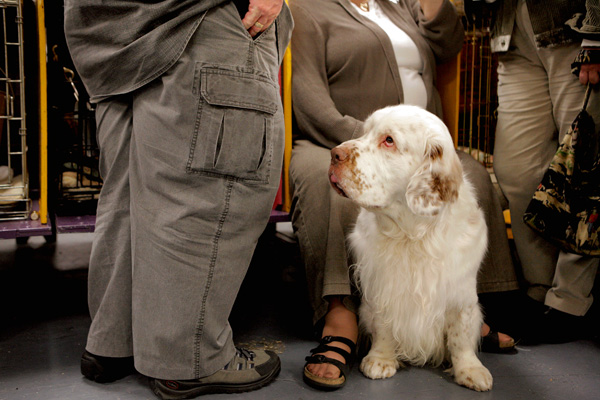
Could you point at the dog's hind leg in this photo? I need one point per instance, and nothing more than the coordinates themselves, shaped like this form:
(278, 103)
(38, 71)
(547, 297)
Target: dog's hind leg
(463, 329)
(381, 362)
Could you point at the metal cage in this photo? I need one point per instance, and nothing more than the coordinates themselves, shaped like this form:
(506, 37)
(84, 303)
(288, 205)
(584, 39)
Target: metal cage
(478, 92)
(79, 181)
(15, 203)
(74, 156)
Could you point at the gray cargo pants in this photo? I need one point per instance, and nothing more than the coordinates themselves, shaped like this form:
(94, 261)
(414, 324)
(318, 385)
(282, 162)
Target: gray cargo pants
(191, 164)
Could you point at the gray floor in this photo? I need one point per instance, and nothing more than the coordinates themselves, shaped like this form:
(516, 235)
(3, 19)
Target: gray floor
(44, 323)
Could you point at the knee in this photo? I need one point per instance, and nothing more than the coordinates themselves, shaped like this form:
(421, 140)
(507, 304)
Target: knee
(479, 177)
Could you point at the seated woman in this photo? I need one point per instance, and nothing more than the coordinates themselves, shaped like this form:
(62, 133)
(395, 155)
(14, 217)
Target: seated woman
(350, 59)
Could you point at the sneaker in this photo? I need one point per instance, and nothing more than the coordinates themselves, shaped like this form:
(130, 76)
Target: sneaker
(105, 369)
(248, 370)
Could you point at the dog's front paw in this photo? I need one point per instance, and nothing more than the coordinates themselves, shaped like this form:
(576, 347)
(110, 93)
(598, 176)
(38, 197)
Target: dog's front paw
(475, 377)
(378, 368)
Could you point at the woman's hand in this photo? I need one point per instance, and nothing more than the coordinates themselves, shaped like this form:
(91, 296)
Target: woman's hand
(260, 15)
(589, 73)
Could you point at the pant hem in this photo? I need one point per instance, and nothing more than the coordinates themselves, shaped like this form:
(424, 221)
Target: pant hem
(98, 350)
(570, 306)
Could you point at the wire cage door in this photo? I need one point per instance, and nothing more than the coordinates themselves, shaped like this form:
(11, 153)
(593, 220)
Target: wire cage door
(74, 158)
(79, 180)
(15, 203)
(478, 92)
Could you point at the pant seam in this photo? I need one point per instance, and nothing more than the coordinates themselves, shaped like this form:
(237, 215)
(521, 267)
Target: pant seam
(211, 269)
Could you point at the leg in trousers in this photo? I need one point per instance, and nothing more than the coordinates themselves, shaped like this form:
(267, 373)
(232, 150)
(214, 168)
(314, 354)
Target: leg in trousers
(199, 170)
(538, 100)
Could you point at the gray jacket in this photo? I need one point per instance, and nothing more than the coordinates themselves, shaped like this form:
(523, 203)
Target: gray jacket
(554, 22)
(120, 45)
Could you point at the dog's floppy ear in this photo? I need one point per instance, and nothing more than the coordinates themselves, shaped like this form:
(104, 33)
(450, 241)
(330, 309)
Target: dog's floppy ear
(436, 181)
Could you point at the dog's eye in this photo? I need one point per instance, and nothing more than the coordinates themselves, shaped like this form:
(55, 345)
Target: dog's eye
(389, 141)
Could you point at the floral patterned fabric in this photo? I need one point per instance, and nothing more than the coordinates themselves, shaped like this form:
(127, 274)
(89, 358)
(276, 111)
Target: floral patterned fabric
(564, 209)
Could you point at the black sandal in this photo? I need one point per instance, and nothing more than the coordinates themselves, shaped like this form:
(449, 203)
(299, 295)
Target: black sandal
(490, 343)
(322, 383)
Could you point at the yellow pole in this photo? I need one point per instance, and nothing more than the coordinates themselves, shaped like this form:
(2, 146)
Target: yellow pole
(287, 114)
(43, 113)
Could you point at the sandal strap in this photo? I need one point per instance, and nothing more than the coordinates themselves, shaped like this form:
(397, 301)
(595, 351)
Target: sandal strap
(323, 347)
(341, 339)
(321, 359)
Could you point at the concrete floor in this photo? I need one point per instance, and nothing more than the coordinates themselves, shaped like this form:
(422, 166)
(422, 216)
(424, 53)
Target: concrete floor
(44, 325)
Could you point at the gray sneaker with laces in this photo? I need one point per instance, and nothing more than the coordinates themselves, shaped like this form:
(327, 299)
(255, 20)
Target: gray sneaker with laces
(248, 370)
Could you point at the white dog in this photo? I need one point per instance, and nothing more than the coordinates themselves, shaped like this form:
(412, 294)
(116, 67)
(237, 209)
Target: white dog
(419, 240)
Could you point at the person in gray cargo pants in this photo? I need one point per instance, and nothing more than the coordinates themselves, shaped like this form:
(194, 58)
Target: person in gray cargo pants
(190, 131)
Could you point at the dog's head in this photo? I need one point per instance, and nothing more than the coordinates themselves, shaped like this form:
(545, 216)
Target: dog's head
(406, 155)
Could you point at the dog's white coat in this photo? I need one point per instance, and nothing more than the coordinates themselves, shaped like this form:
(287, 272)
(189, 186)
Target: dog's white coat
(419, 240)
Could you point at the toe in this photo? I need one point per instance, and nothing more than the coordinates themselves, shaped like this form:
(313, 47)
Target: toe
(505, 340)
(331, 371)
(326, 370)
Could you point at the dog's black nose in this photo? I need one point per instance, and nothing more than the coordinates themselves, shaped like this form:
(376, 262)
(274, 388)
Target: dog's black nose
(338, 155)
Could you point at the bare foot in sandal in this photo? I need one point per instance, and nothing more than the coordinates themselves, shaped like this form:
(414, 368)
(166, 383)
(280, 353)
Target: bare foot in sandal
(496, 342)
(339, 322)
(504, 339)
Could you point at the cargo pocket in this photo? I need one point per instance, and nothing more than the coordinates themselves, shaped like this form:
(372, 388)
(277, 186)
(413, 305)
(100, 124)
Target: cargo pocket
(233, 133)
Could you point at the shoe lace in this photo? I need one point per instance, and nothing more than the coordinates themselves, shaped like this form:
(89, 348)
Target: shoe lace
(245, 353)
(243, 359)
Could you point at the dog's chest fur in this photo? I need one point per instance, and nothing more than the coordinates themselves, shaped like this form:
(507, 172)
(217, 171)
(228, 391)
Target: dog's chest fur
(409, 276)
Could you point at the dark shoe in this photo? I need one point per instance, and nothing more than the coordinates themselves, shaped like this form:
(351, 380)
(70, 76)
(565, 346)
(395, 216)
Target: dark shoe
(523, 322)
(322, 383)
(552, 326)
(105, 369)
(491, 343)
(248, 370)
(559, 327)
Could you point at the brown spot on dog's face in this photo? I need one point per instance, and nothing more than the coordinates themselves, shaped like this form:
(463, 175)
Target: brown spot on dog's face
(350, 180)
(351, 160)
(355, 175)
